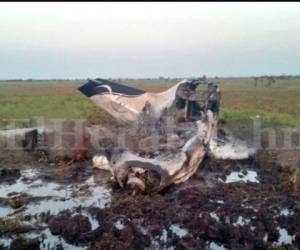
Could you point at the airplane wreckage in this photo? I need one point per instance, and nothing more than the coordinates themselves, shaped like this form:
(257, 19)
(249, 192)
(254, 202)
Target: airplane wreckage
(168, 136)
(179, 152)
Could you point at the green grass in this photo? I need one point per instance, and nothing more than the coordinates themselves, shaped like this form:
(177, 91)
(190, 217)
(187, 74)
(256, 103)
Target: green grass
(244, 119)
(278, 105)
(48, 107)
(26, 102)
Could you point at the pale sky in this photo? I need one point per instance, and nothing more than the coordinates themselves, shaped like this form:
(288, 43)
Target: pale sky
(81, 40)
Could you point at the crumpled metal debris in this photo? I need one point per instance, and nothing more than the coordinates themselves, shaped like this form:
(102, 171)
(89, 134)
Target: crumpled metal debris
(154, 173)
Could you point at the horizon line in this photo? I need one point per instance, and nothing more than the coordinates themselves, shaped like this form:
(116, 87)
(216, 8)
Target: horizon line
(144, 78)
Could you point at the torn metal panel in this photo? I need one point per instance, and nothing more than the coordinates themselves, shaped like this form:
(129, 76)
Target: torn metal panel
(127, 104)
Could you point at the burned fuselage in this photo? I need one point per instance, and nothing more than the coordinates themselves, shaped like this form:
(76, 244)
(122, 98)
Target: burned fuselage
(152, 171)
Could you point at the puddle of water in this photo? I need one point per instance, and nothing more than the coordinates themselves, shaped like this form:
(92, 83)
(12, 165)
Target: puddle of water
(99, 197)
(53, 205)
(164, 236)
(58, 197)
(93, 221)
(249, 207)
(241, 221)
(155, 244)
(251, 176)
(284, 237)
(286, 212)
(160, 241)
(50, 241)
(91, 181)
(180, 232)
(29, 173)
(169, 248)
(266, 237)
(62, 196)
(5, 211)
(215, 246)
(5, 242)
(35, 188)
(119, 225)
(217, 201)
(215, 216)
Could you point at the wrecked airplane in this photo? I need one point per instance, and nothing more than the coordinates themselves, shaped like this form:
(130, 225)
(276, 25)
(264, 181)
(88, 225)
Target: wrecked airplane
(152, 174)
(149, 162)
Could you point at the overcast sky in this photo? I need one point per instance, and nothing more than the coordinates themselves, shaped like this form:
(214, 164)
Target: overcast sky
(80, 40)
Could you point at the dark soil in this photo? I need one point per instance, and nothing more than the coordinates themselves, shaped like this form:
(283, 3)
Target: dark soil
(190, 206)
(25, 244)
(8, 174)
(237, 215)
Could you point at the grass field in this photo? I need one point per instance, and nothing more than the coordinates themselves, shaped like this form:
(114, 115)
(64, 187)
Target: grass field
(278, 105)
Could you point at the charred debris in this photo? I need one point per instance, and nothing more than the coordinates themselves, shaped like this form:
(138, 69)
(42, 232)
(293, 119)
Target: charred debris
(173, 132)
(162, 138)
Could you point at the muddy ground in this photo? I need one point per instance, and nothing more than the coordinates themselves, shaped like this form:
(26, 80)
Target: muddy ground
(249, 204)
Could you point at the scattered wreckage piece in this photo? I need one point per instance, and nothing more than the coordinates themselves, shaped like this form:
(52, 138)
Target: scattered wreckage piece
(23, 138)
(231, 149)
(50, 143)
(154, 174)
(19, 145)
